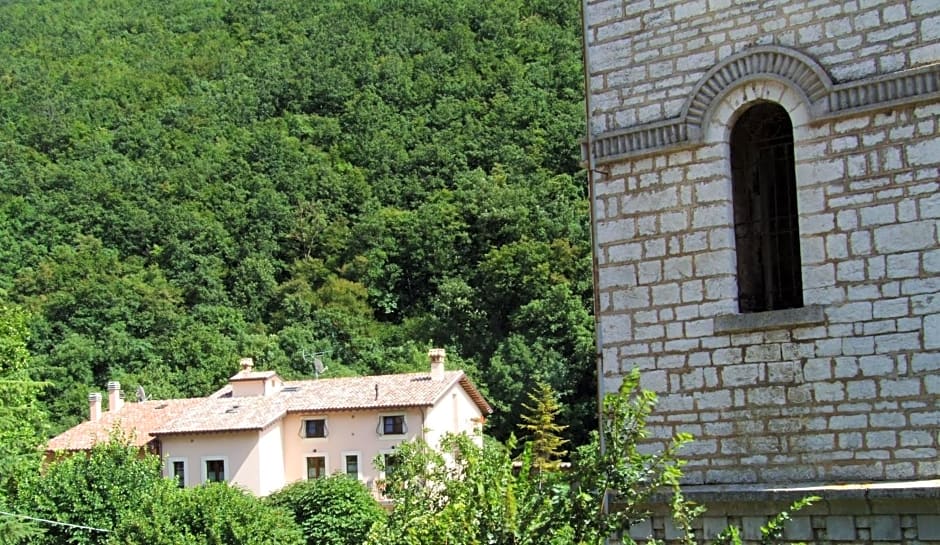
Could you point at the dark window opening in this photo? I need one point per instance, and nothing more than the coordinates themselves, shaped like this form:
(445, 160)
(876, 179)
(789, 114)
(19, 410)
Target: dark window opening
(393, 425)
(215, 471)
(766, 228)
(352, 465)
(179, 472)
(315, 428)
(391, 463)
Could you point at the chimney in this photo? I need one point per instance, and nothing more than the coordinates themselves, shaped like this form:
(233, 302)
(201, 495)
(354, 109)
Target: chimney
(246, 364)
(436, 356)
(114, 396)
(94, 407)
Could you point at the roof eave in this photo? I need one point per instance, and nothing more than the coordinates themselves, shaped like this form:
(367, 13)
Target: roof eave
(465, 382)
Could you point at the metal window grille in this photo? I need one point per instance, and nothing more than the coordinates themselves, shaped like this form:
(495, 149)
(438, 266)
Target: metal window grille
(765, 208)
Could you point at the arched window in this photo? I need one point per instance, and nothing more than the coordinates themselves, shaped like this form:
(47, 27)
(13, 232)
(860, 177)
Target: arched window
(765, 214)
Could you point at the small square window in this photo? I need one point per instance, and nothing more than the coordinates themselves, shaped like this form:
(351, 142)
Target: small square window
(215, 471)
(315, 427)
(393, 425)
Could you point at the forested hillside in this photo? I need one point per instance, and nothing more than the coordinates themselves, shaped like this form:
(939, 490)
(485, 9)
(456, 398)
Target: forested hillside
(186, 182)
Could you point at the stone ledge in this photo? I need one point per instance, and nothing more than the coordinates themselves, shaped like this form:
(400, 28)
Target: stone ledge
(772, 319)
(893, 490)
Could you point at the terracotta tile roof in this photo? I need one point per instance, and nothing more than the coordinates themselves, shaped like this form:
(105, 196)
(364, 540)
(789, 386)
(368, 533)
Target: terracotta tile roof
(377, 392)
(227, 414)
(224, 413)
(137, 420)
(220, 412)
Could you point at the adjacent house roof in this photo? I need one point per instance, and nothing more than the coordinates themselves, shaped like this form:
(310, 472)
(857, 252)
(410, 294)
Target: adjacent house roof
(140, 418)
(378, 392)
(223, 412)
(227, 414)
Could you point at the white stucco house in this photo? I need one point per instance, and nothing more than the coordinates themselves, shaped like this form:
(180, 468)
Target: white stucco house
(261, 432)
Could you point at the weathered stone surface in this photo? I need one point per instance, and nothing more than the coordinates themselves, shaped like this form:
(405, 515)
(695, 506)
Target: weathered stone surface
(842, 387)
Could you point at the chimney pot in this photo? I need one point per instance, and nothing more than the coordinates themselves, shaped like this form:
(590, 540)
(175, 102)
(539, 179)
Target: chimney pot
(94, 407)
(246, 364)
(114, 396)
(437, 355)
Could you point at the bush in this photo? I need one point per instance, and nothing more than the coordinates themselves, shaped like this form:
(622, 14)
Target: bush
(336, 510)
(212, 514)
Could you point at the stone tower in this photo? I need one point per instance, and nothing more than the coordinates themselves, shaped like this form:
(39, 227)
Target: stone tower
(766, 214)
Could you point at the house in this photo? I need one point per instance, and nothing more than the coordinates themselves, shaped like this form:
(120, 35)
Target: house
(261, 432)
(765, 186)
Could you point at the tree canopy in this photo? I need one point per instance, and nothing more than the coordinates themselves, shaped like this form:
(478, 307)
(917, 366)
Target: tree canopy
(190, 181)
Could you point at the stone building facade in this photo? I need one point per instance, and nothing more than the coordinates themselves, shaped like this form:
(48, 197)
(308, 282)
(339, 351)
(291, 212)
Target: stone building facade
(766, 211)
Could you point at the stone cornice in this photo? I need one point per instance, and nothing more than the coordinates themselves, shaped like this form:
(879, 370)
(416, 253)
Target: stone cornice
(824, 99)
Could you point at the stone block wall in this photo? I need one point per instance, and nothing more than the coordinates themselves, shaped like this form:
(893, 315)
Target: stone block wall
(647, 55)
(907, 517)
(846, 388)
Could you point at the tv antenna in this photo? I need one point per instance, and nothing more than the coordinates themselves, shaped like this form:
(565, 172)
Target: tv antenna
(315, 358)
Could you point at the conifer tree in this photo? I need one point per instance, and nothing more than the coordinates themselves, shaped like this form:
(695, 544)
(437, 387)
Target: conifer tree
(543, 432)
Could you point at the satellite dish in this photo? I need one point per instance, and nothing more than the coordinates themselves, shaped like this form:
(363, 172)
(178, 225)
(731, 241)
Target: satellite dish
(318, 367)
(141, 394)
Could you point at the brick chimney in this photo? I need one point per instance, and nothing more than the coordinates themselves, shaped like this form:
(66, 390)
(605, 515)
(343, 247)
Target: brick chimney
(114, 396)
(436, 355)
(94, 406)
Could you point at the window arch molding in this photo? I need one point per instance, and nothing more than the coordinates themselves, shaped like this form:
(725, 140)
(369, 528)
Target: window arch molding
(769, 73)
(823, 99)
(728, 107)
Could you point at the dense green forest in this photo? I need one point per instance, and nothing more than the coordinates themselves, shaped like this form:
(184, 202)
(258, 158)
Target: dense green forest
(190, 181)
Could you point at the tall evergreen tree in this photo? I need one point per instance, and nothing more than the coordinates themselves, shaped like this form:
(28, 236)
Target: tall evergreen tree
(542, 429)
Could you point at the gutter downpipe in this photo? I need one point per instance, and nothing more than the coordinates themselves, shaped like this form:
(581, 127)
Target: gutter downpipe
(589, 156)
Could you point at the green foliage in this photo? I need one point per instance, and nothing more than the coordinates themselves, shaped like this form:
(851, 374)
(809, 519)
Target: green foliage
(212, 514)
(14, 531)
(183, 183)
(542, 431)
(22, 422)
(469, 493)
(623, 470)
(335, 510)
(96, 490)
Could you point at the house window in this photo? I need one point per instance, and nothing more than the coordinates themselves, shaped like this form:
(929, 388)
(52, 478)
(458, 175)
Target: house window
(316, 467)
(315, 427)
(391, 462)
(215, 470)
(351, 464)
(393, 425)
(178, 472)
(766, 229)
